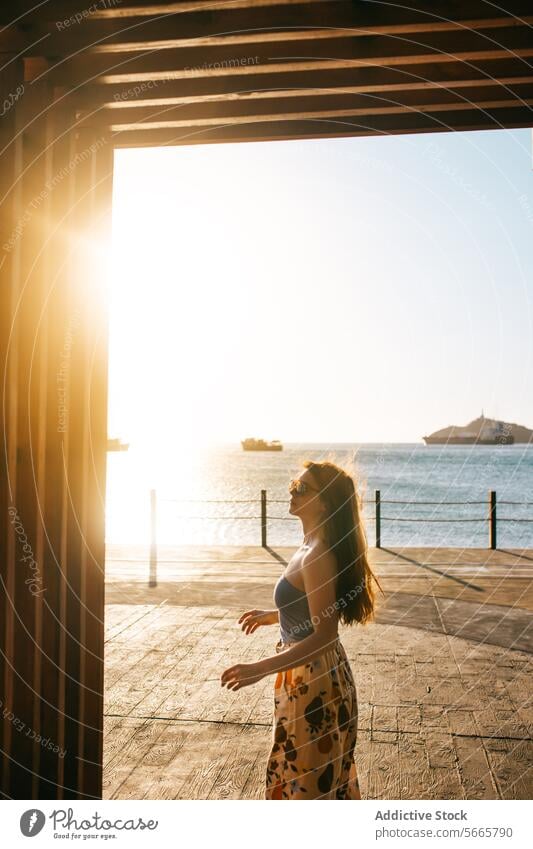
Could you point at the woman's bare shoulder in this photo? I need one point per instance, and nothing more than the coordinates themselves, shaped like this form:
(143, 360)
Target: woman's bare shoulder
(319, 556)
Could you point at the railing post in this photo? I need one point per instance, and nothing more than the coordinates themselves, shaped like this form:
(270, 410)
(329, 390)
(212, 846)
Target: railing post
(264, 518)
(378, 518)
(153, 539)
(492, 518)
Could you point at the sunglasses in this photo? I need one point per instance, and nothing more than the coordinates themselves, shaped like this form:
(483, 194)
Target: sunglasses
(299, 487)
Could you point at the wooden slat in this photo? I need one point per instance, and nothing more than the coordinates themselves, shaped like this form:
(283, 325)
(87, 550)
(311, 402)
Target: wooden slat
(276, 57)
(54, 638)
(407, 94)
(260, 26)
(295, 36)
(29, 599)
(260, 13)
(11, 209)
(431, 78)
(172, 117)
(94, 283)
(142, 8)
(467, 120)
(328, 103)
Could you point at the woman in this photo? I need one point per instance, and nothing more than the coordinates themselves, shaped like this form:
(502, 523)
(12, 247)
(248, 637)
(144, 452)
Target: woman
(315, 701)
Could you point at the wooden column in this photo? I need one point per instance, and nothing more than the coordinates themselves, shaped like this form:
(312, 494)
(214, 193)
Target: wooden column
(56, 195)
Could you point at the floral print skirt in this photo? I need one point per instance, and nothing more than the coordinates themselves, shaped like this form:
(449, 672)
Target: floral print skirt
(315, 729)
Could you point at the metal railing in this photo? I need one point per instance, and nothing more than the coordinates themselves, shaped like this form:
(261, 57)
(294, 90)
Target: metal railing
(491, 516)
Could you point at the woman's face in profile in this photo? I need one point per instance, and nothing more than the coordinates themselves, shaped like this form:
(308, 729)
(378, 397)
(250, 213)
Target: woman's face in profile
(304, 493)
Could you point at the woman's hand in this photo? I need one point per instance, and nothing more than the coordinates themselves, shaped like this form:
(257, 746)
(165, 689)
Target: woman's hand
(253, 619)
(241, 675)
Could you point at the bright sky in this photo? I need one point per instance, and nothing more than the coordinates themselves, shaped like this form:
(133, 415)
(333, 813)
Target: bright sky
(345, 290)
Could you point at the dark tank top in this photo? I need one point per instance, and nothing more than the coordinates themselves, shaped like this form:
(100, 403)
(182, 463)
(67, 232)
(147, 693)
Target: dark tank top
(294, 616)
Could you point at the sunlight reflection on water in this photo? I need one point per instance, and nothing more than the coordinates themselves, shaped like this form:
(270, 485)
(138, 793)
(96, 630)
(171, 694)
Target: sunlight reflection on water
(410, 472)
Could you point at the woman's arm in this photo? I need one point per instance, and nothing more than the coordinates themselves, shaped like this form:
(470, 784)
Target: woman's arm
(319, 576)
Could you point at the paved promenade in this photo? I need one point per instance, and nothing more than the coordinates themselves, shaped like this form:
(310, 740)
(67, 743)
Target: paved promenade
(443, 676)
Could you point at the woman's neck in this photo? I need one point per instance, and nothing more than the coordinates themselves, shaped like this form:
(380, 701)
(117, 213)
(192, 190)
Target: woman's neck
(310, 532)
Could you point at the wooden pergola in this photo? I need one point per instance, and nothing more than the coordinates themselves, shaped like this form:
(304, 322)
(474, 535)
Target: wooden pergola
(79, 79)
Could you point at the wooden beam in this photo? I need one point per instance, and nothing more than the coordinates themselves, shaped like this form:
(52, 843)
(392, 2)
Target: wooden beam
(354, 80)
(509, 118)
(296, 35)
(124, 11)
(11, 83)
(308, 104)
(166, 120)
(142, 8)
(237, 60)
(512, 88)
(343, 21)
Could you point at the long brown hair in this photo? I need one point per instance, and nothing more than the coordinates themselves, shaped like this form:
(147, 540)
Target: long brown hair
(344, 534)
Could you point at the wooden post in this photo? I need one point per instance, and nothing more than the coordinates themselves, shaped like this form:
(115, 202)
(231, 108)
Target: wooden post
(378, 518)
(264, 518)
(56, 188)
(492, 518)
(153, 539)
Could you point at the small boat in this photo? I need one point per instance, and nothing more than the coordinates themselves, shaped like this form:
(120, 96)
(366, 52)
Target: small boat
(117, 445)
(251, 444)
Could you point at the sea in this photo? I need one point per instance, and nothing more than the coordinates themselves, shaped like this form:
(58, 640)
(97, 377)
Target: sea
(434, 495)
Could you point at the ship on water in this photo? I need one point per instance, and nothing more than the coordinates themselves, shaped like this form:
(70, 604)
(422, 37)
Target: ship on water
(481, 431)
(251, 444)
(117, 445)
